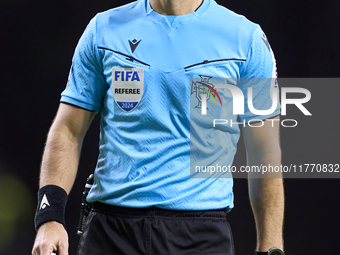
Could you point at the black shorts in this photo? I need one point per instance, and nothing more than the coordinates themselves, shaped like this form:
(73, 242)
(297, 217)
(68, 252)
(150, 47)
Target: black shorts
(112, 230)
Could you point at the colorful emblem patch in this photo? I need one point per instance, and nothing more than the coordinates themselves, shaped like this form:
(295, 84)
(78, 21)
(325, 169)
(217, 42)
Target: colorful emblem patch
(127, 87)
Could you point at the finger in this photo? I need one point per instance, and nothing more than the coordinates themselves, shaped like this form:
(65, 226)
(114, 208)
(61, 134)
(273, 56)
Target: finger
(63, 250)
(36, 248)
(46, 250)
(34, 251)
(39, 250)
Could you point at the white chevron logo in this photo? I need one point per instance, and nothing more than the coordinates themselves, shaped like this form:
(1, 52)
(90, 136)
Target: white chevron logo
(44, 202)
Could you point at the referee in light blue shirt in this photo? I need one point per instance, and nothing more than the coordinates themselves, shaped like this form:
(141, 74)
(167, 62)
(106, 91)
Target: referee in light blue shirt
(143, 67)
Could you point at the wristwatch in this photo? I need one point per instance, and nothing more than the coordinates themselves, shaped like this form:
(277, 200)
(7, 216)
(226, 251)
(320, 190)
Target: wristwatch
(271, 251)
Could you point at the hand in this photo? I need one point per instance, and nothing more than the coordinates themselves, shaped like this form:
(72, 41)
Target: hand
(51, 236)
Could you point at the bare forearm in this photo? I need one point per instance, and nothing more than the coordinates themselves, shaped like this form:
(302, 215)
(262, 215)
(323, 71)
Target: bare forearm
(59, 167)
(60, 159)
(267, 200)
(268, 207)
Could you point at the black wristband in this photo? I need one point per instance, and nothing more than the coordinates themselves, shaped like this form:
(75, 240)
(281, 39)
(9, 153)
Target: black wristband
(51, 205)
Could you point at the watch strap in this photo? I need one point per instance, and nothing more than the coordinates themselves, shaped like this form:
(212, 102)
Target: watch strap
(271, 251)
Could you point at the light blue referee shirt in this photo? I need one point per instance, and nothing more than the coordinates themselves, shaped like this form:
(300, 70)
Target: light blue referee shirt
(146, 74)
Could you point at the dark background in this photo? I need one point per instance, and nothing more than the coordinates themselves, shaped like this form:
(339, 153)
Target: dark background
(36, 46)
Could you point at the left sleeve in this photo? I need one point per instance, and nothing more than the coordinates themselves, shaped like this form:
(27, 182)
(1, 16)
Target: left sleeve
(260, 74)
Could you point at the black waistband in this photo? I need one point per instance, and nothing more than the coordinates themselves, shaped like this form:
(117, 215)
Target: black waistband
(155, 211)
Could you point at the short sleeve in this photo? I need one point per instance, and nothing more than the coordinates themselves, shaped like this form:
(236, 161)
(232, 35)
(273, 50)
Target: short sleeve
(86, 83)
(260, 74)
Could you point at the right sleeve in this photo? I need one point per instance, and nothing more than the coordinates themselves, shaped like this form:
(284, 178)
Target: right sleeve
(260, 75)
(86, 84)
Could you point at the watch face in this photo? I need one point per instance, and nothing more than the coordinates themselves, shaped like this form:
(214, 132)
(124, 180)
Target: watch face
(275, 251)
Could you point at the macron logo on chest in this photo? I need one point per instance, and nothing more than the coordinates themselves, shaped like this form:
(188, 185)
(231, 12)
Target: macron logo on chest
(44, 202)
(133, 44)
